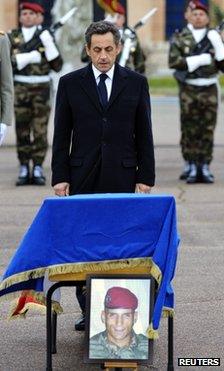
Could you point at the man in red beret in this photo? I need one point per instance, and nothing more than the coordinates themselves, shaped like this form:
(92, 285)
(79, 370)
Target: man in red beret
(119, 340)
(31, 67)
(197, 55)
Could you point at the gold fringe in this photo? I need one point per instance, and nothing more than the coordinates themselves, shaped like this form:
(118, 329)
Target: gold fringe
(151, 333)
(89, 267)
(168, 312)
(55, 272)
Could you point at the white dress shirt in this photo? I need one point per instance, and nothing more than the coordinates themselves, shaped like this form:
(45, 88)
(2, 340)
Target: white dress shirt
(108, 81)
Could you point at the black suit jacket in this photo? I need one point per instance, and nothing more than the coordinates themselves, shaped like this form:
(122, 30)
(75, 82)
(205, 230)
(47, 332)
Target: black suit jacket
(103, 150)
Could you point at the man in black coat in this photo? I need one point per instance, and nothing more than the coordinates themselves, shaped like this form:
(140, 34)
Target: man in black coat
(103, 137)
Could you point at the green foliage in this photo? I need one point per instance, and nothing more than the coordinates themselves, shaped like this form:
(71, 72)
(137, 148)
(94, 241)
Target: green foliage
(217, 14)
(167, 85)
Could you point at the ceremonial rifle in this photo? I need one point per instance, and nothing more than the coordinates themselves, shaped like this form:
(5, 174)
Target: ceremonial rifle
(130, 37)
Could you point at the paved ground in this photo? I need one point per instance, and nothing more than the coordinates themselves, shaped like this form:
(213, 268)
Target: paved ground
(199, 280)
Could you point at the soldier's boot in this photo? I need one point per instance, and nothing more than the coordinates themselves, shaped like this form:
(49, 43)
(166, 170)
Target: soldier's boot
(186, 171)
(192, 177)
(37, 176)
(24, 176)
(206, 175)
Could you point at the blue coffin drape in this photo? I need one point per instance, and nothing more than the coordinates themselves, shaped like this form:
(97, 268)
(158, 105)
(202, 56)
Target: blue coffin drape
(69, 234)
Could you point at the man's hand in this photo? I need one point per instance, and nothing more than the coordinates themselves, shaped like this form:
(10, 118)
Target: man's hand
(23, 59)
(196, 61)
(61, 189)
(51, 51)
(217, 43)
(142, 188)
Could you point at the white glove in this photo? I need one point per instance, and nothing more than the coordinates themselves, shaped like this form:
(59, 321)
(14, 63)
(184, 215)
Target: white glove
(51, 51)
(198, 60)
(217, 44)
(3, 129)
(23, 59)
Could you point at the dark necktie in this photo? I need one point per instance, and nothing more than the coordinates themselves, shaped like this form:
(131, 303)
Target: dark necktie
(103, 89)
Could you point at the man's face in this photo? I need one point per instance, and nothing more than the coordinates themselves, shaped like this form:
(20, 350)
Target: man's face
(188, 14)
(40, 19)
(28, 18)
(103, 51)
(120, 20)
(119, 324)
(199, 18)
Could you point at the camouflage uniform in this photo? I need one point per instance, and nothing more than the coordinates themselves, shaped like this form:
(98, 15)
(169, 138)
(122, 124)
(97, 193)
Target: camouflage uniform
(99, 347)
(32, 105)
(198, 104)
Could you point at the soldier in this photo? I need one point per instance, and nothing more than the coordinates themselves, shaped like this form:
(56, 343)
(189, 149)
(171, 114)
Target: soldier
(32, 91)
(6, 86)
(137, 58)
(197, 54)
(119, 340)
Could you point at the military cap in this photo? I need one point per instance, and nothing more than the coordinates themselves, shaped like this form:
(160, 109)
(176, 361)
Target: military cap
(198, 5)
(37, 8)
(120, 297)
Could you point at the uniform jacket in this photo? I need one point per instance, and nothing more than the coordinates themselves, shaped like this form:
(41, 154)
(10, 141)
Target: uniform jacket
(99, 347)
(6, 81)
(43, 68)
(111, 149)
(182, 46)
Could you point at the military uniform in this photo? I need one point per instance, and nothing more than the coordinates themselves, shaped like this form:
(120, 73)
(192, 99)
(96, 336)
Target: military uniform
(32, 95)
(198, 99)
(99, 347)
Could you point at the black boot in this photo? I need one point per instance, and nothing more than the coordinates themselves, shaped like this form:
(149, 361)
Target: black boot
(24, 175)
(206, 175)
(192, 177)
(186, 171)
(37, 177)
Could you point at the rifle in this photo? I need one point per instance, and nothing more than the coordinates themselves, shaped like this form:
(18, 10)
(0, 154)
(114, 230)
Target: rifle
(130, 38)
(35, 43)
(202, 47)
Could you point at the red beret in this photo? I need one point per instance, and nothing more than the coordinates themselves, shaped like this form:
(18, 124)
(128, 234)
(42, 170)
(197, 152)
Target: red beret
(198, 5)
(119, 297)
(32, 6)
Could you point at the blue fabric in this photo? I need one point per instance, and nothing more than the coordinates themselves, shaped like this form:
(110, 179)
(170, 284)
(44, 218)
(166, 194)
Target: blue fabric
(88, 228)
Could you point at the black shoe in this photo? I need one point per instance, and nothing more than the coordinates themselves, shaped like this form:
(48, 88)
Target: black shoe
(38, 178)
(24, 176)
(192, 177)
(186, 171)
(80, 323)
(206, 175)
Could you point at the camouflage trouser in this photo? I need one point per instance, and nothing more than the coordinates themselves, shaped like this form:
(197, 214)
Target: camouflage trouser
(32, 113)
(198, 120)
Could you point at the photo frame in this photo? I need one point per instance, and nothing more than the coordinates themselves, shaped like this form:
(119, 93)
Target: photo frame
(118, 313)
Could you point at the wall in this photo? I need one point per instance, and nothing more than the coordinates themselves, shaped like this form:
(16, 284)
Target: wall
(8, 14)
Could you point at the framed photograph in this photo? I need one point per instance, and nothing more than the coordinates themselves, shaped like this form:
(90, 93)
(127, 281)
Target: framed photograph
(119, 311)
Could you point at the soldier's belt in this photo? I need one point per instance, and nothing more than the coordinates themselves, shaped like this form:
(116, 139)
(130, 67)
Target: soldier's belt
(202, 81)
(32, 79)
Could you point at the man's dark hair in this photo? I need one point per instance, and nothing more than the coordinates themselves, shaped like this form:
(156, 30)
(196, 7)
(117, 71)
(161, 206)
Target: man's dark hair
(101, 28)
